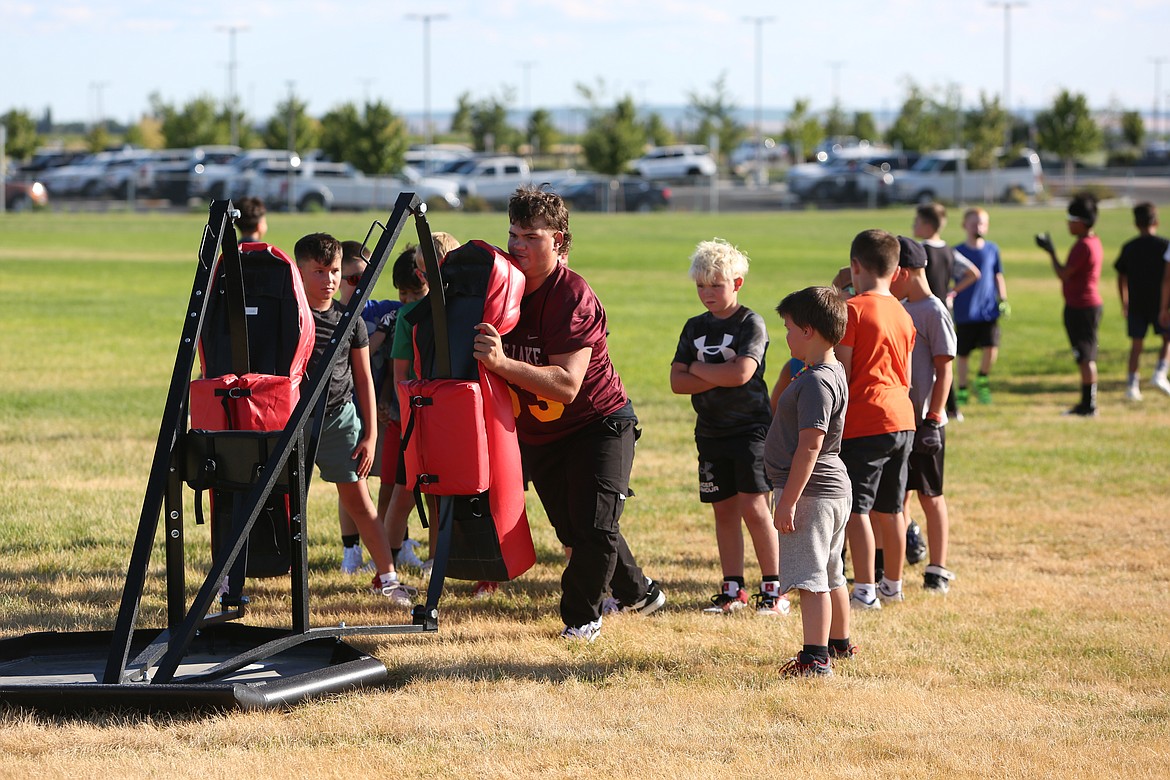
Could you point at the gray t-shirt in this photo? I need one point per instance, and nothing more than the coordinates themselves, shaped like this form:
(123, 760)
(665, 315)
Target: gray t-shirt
(816, 398)
(936, 336)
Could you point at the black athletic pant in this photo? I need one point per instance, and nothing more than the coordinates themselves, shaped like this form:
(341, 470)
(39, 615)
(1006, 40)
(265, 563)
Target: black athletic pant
(583, 480)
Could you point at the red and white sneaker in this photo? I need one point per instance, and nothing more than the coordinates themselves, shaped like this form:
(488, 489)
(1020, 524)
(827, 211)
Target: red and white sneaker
(484, 589)
(729, 601)
(771, 605)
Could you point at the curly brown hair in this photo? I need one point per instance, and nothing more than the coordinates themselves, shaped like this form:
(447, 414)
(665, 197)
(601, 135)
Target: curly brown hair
(531, 204)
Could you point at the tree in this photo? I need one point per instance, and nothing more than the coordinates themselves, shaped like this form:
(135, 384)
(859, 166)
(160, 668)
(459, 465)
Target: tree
(147, 133)
(489, 124)
(613, 137)
(864, 126)
(461, 119)
(983, 130)
(716, 115)
(21, 135)
(802, 131)
(657, 133)
(1133, 129)
(98, 138)
(1067, 129)
(196, 123)
(925, 122)
(542, 133)
(373, 141)
(306, 130)
(835, 122)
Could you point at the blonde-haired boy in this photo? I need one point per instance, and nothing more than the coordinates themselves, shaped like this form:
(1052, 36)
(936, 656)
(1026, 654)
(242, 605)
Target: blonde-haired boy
(719, 362)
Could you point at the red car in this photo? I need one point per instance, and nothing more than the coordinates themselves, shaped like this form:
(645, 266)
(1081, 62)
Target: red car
(24, 195)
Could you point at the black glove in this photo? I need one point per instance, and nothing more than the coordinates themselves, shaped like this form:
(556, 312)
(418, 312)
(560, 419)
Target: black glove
(386, 323)
(1044, 241)
(928, 438)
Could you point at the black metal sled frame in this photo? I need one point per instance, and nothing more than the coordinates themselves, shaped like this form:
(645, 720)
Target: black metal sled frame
(203, 659)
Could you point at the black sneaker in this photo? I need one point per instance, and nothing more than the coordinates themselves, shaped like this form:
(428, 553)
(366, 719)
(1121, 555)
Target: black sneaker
(1081, 410)
(915, 544)
(805, 665)
(651, 602)
(937, 579)
(846, 653)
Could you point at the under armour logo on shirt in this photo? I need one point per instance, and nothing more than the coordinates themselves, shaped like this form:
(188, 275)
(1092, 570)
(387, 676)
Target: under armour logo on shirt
(707, 351)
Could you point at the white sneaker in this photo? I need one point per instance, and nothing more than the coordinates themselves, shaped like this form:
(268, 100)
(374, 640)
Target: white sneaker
(1162, 383)
(855, 602)
(886, 595)
(407, 555)
(586, 633)
(400, 595)
(351, 560)
(1133, 393)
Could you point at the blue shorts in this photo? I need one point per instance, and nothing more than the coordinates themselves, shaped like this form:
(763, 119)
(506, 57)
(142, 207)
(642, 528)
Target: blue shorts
(339, 438)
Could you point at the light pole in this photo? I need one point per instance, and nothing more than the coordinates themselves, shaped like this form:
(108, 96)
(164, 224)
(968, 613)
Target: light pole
(1156, 121)
(526, 67)
(231, 30)
(1007, 6)
(759, 22)
(426, 20)
(98, 87)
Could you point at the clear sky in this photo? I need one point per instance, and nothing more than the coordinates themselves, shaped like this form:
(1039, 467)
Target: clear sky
(74, 55)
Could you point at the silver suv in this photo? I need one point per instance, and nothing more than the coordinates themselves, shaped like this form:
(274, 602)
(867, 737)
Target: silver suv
(675, 162)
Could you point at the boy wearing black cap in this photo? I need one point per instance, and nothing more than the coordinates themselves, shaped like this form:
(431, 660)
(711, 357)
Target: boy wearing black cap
(930, 380)
(1079, 278)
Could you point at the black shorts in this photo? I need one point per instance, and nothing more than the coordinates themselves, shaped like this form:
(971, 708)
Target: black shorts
(976, 335)
(924, 470)
(877, 471)
(1081, 325)
(1138, 324)
(732, 465)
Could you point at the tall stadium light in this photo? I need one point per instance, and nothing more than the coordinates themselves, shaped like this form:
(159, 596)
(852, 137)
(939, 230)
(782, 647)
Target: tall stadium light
(1007, 6)
(1156, 119)
(98, 87)
(231, 30)
(759, 22)
(426, 20)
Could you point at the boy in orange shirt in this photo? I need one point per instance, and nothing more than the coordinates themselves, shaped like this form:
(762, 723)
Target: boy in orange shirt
(880, 420)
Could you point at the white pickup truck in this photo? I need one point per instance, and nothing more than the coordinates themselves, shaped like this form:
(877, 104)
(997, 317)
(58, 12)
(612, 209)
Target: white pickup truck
(495, 178)
(944, 176)
(328, 186)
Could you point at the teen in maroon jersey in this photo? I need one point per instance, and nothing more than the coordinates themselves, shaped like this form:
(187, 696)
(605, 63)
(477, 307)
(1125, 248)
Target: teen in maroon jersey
(575, 423)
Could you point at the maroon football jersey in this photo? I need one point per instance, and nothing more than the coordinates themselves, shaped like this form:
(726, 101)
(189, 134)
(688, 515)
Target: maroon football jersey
(562, 316)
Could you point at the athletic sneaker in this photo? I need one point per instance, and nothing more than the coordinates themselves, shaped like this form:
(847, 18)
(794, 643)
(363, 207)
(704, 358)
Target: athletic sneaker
(915, 544)
(847, 653)
(937, 579)
(1081, 410)
(855, 602)
(805, 665)
(484, 589)
(400, 595)
(769, 605)
(724, 603)
(962, 395)
(1161, 382)
(351, 560)
(407, 555)
(887, 595)
(586, 633)
(1133, 393)
(651, 602)
(982, 390)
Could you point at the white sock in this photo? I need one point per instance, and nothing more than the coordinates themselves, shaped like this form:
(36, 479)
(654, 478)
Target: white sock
(1160, 369)
(865, 591)
(389, 578)
(1134, 379)
(891, 586)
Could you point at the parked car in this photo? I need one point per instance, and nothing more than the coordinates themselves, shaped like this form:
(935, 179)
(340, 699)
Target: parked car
(943, 175)
(328, 186)
(767, 151)
(121, 175)
(22, 195)
(804, 179)
(169, 172)
(625, 193)
(228, 180)
(861, 179)
(46, 159)
(675, 162)
(427, 160)
(85, 177)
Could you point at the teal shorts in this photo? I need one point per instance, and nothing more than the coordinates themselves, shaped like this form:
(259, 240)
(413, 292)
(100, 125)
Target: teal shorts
(339, 438)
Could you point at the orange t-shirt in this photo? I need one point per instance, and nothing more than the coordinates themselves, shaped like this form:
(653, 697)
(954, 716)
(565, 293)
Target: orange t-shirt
(881, 334)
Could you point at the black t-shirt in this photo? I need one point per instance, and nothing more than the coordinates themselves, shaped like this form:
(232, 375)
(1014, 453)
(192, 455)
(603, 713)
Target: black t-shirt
(1143, 260)
(341, 377)
(727, 411)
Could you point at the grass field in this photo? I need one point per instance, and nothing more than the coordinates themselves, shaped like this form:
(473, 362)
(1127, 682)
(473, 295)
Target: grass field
(1048, 658)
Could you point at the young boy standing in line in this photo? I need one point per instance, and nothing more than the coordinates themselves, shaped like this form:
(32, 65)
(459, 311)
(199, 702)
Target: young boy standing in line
(978, 307)
(345, 451)
(812, 490)
(1140, 268)
(719, 363)
(879, 426)
(934, 351)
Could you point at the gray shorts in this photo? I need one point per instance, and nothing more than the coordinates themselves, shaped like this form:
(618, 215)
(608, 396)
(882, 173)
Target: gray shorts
(339, 438)
(810, 556)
